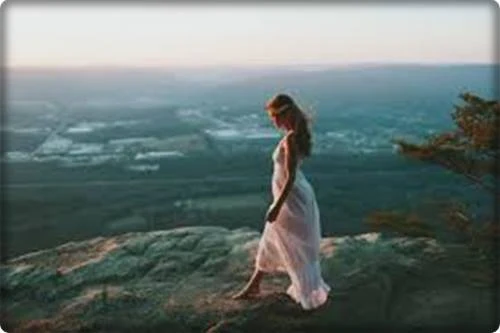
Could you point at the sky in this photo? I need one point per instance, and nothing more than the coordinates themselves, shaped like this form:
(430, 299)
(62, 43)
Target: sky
(176, 35)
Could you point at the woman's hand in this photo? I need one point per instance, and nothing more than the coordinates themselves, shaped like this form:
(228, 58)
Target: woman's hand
(272, 213)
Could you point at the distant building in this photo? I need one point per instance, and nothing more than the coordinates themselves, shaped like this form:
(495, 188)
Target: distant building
(55, 144)
(154, 155)
(86, 149)
(18, 156)
(143, 167)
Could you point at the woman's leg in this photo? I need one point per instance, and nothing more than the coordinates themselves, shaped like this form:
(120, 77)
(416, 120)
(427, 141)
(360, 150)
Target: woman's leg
(252, 287)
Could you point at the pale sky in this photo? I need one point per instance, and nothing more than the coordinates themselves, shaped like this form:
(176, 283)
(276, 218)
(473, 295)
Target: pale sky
(171, 35)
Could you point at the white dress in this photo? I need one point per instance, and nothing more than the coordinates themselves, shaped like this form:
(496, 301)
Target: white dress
(292, 242)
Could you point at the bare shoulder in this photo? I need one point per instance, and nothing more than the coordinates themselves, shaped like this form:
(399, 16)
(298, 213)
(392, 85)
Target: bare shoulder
(290, 136)
(290, 140)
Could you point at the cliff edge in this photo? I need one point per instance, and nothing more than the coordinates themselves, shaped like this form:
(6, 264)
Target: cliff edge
(181, 280)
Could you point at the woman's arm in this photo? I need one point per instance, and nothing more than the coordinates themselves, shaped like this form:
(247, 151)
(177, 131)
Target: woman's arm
(291, 168)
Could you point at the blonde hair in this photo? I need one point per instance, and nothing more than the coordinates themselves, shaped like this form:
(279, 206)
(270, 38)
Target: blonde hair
(282, 105)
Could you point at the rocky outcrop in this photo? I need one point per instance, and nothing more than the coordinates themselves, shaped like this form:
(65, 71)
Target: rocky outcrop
(181, 280)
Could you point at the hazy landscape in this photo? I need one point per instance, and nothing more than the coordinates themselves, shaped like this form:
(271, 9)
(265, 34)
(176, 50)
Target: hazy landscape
(104, 151)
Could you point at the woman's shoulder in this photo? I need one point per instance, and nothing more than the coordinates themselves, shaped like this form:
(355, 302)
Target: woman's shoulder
(290, 138)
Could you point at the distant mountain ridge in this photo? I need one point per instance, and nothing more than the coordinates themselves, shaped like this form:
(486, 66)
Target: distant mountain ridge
(219, 85)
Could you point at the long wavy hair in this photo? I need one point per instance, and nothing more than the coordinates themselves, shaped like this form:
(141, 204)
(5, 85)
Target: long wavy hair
(284, 107)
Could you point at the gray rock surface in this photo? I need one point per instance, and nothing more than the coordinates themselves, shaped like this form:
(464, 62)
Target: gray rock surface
(181, 280)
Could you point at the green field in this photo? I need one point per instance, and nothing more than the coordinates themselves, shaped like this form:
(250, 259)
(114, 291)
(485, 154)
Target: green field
(47, 205)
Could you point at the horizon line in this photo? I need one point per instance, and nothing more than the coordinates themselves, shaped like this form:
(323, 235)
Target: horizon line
(244, 66)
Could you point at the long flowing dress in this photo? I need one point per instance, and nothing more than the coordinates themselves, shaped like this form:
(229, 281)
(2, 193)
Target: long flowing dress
(292, 242)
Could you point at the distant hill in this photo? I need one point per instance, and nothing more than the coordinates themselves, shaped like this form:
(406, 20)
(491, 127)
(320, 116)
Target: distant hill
(366, 84)
(245, 86)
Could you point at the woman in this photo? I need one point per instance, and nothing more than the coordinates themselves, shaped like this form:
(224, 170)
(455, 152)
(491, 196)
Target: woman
(291, 238)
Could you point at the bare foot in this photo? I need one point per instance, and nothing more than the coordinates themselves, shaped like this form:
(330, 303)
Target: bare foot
(247, 292)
